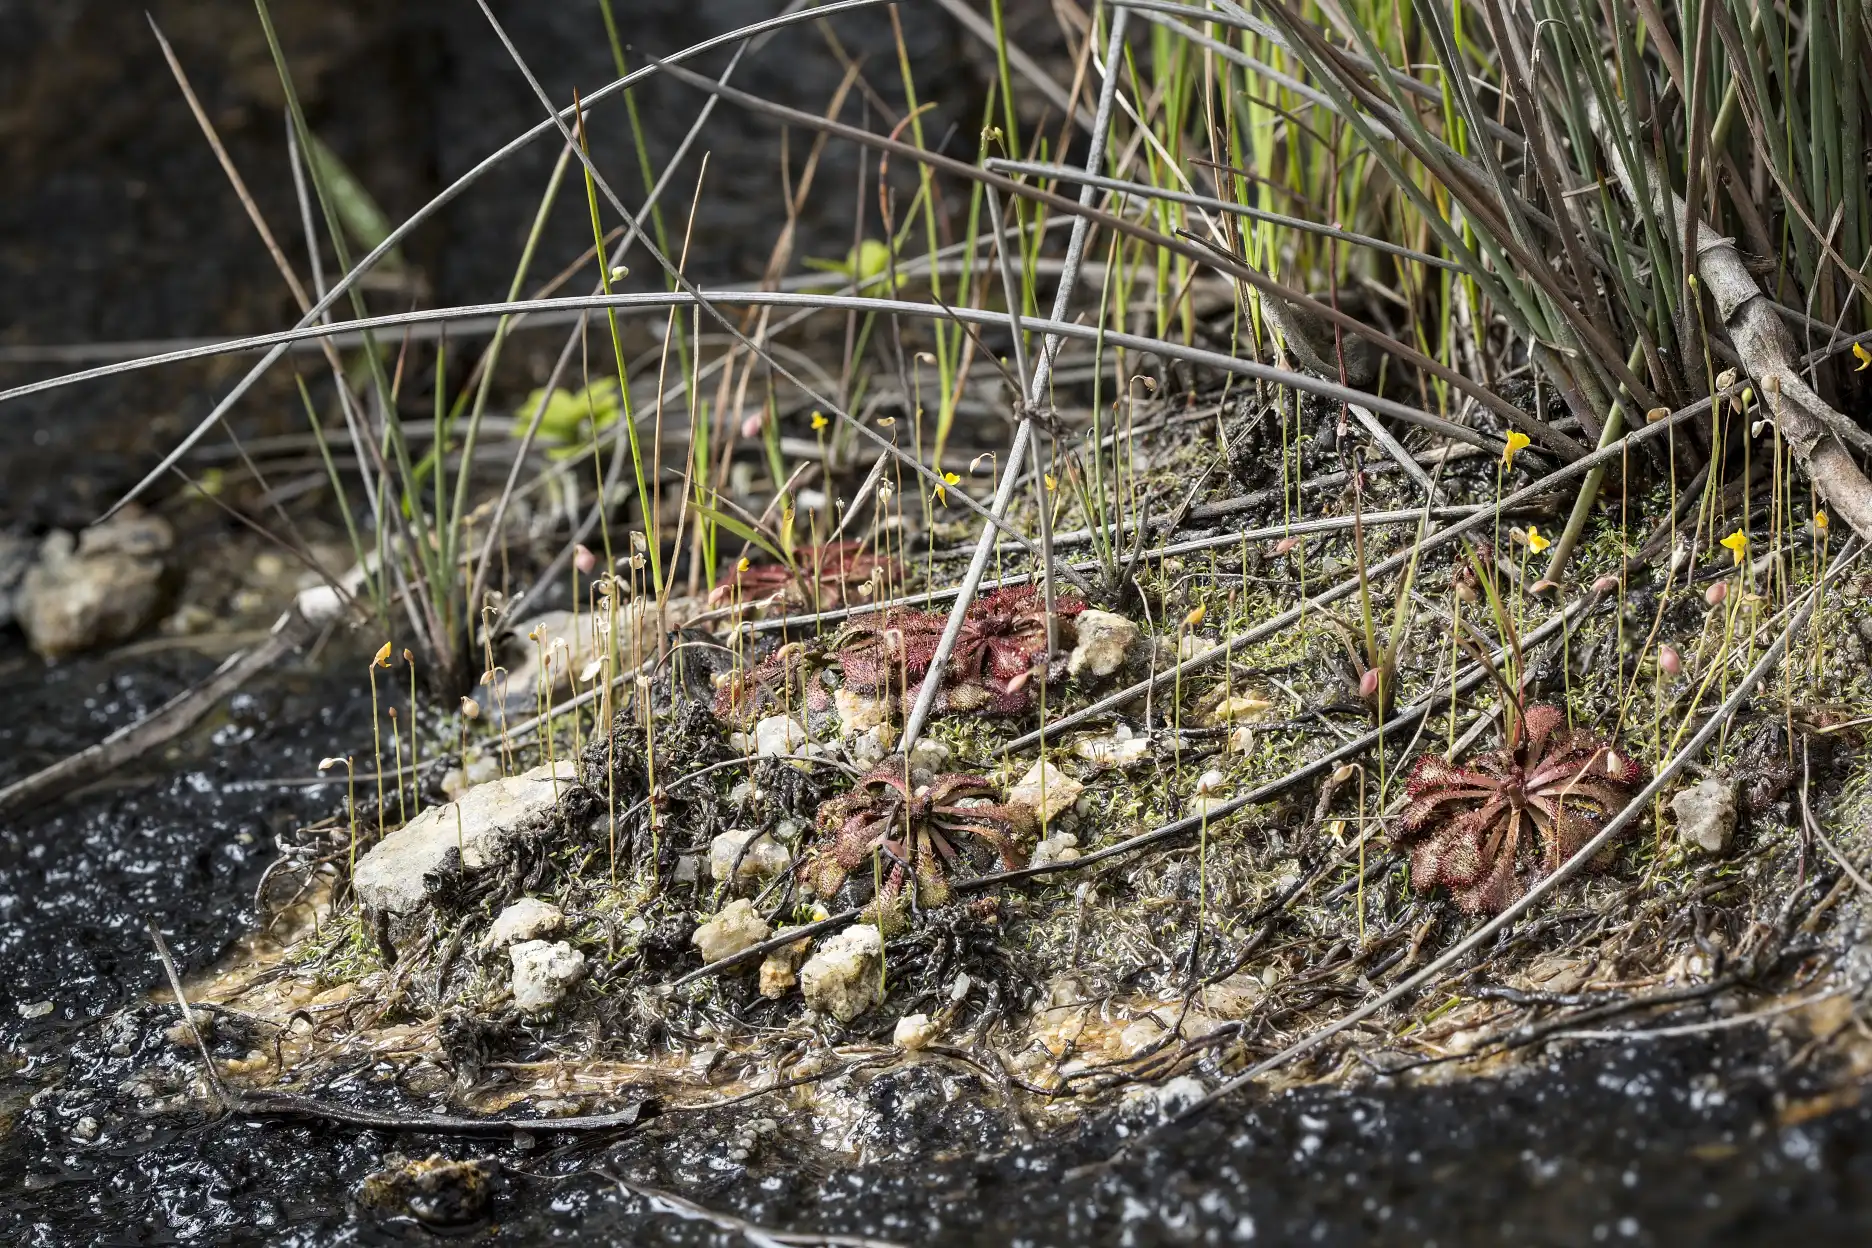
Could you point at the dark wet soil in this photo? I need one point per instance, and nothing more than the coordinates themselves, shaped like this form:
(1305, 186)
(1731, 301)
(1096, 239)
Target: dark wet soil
(179, 840)
(1670, 1143)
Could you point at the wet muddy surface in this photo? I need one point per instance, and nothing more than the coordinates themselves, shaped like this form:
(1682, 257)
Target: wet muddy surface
(180, 841)
(1671, 1143)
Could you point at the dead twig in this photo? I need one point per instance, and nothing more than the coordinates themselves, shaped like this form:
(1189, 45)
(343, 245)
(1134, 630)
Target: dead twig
(165, 723)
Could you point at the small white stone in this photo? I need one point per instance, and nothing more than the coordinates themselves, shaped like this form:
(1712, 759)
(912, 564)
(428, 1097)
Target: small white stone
(1240, 707)
(858, 713)
(779, 734)
(1061, 848)
(841, 977)
(393, 878)
(1180, 1094)
(1103, 640)
(543, 971)
(738, 926)
(872, 746)
(320, 604)
(1141, 1036)
(34, 1009)
(1706, 815)
(96, 588)
(526, 919)
(779, 971)
(1046, 790)
(481, 769)
(762, 860)
(1112, 751)
(928, 755)
(914, 1031)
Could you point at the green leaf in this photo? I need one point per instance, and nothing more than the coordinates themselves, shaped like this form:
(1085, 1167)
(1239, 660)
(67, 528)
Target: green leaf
(868, 265)
(572, 418)
(741, 529)
(362, 219)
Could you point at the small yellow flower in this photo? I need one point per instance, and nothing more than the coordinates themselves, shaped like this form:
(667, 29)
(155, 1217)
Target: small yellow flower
(1196, 615)
(1535, 541)
(942, 491)
(744, 565)
(1517, 442)
(383, 656)
(1737, 542)
(818, 420)
(1052, 483)
(1863, 356)
(1820, 521)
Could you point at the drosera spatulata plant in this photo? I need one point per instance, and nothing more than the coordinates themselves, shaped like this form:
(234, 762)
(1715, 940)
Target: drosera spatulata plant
(1467, 823)
(912, 831)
